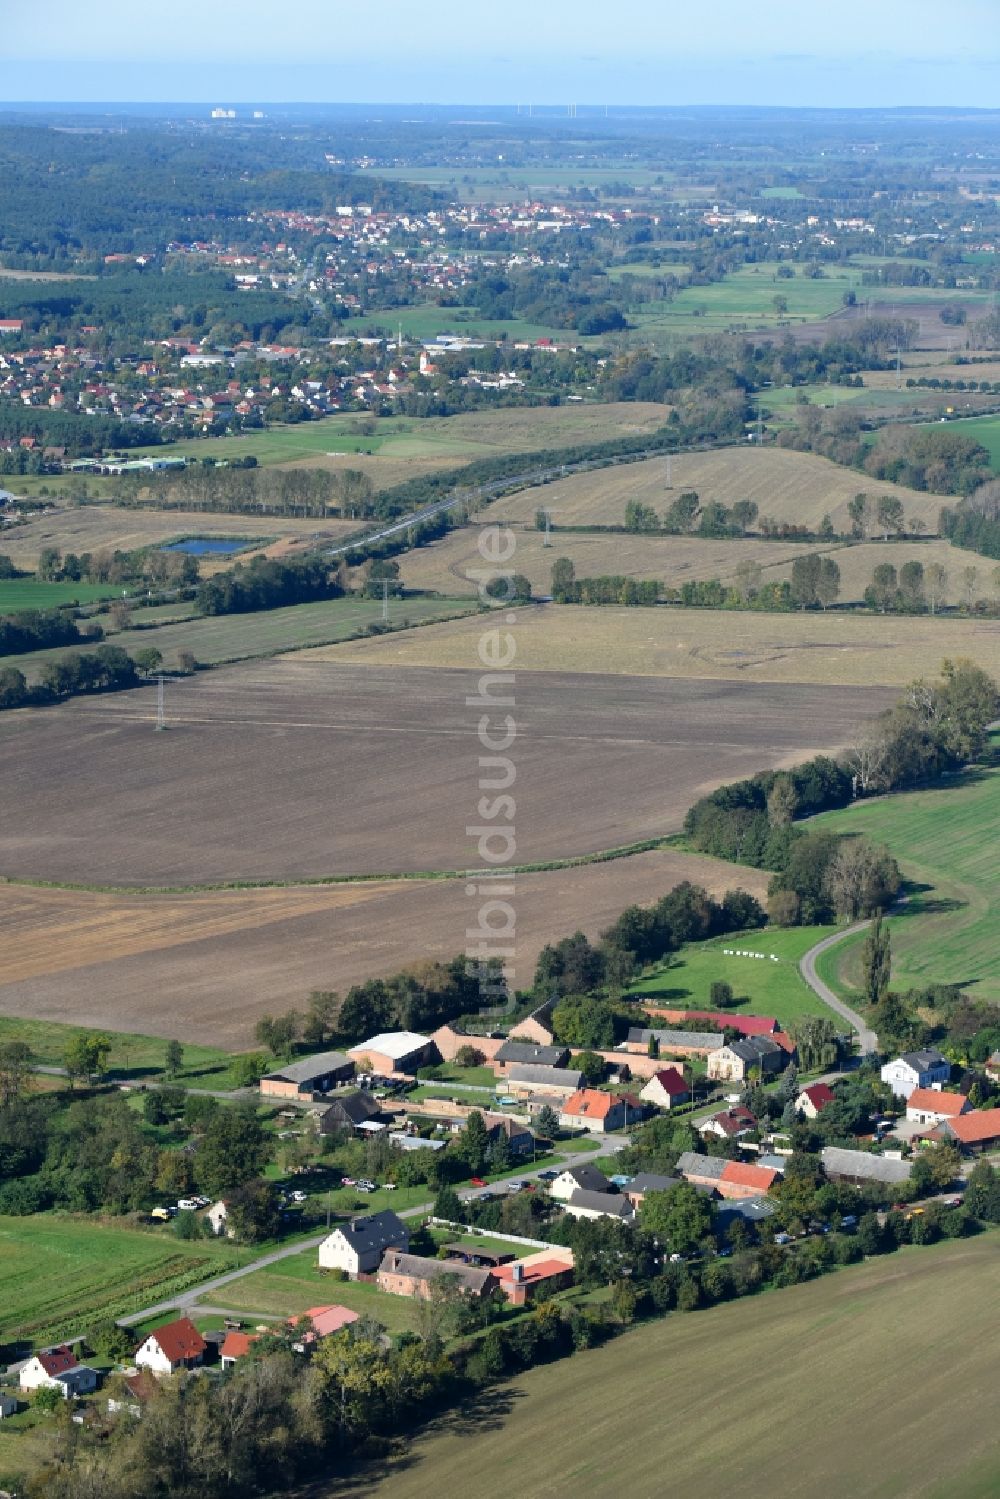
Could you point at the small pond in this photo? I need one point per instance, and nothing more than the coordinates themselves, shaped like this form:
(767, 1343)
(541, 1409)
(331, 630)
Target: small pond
(210, 546)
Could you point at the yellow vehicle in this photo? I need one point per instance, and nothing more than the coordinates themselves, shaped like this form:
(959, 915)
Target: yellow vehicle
(160, 1215)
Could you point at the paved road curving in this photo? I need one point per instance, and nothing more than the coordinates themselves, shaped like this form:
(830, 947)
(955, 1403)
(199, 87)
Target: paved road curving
(184, 1301)
(867, 1040)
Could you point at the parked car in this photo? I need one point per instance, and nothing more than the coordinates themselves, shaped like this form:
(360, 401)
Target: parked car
(476, 1181)
(517, 1186)
(188, 1204)
(782, 1238)
(388, 1186)
(299, 1196)
(160, 1215)
(850, 1221)
(348, 1181)
(547, 1176)
(954, 1202)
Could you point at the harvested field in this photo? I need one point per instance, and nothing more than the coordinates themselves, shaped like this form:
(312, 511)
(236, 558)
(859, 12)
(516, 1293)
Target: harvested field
(305, 767)
(446, 565)
(206, 967)
(645, 1416)
(857, 563)
(96, 528)
(846, 650)
(798, 488)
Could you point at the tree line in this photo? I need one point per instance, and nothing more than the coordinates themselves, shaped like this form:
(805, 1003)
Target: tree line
(242, 489)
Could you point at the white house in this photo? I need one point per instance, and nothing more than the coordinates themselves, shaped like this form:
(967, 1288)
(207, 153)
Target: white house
(175, 1345)
(357, 1247)
(666, 1088)
(934, 1106)
(600, 1205)
(585, 1178)
(916, 1069)
(58, 1369)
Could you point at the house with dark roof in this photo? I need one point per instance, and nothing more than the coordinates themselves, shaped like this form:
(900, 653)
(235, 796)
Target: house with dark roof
(175, 1345)
(582, 1204)
(647, 1181)
(413, 1275)
(528, 1054)
(730, 1124)
(916, 1069)
(674, 1043)
(357, 1247)
(309, 1078)
(576, 1178)
(734, 1061)
(348, 1111)
(556, 1082)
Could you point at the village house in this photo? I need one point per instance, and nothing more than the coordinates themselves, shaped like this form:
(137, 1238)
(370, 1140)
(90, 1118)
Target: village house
(812, 1100)
(916, 1069)
(520, 1140)
(218, 1218)
(306, 1079)
(235, 1345)
(934, 1106)
(746, 1025)
(728, 1178)
(972, 1132)
(599, 1112)
(323, 1322)
(394, 1052)
(536, 1275)
(402, 1274)
(583, 1204)
(576, 1178)
(547, 1083)
(175, 1345)
(673, 1043)
(647, 1181)
(357, 1247)
(450, 1041)
(993, 1067)
(535, 1027)
(735, 1061)
(861, 1166)
(528, 1053)
(666, 1089)
(350, 1112)
(57, 1369)
(730, 1124)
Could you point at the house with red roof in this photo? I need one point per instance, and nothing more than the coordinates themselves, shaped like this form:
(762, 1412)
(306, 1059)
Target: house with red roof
(325, 1320)
(534, 1275)
(590, 1108)
(175, 1345)
(812, 1100)
(730, 1124)
(666, 1088)
(934, 1106)
(746, 1025)
(978, 1130)
(57, 1369)
(235, 1345)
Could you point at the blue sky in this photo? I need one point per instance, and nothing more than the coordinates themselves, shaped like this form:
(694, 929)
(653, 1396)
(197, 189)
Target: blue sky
(795, 52)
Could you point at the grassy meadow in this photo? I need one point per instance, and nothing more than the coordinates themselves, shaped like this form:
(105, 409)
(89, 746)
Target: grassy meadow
(946, 842)
(760, 987)
(132, 1057)
(27, 593)
(800, 1392)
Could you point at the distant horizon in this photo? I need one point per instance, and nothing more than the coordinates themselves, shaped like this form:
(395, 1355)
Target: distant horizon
(543, 109)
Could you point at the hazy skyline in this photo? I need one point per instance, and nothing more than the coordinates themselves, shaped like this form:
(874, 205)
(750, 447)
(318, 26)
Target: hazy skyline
(859, 53)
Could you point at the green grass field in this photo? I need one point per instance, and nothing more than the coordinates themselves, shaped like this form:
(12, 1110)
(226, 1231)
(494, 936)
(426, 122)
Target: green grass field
(762, 987)
(947, 846)
(59, 1274)
(876, 1381)
(26, 593)
(131, 1057)
(215, 639)
(984, 429)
